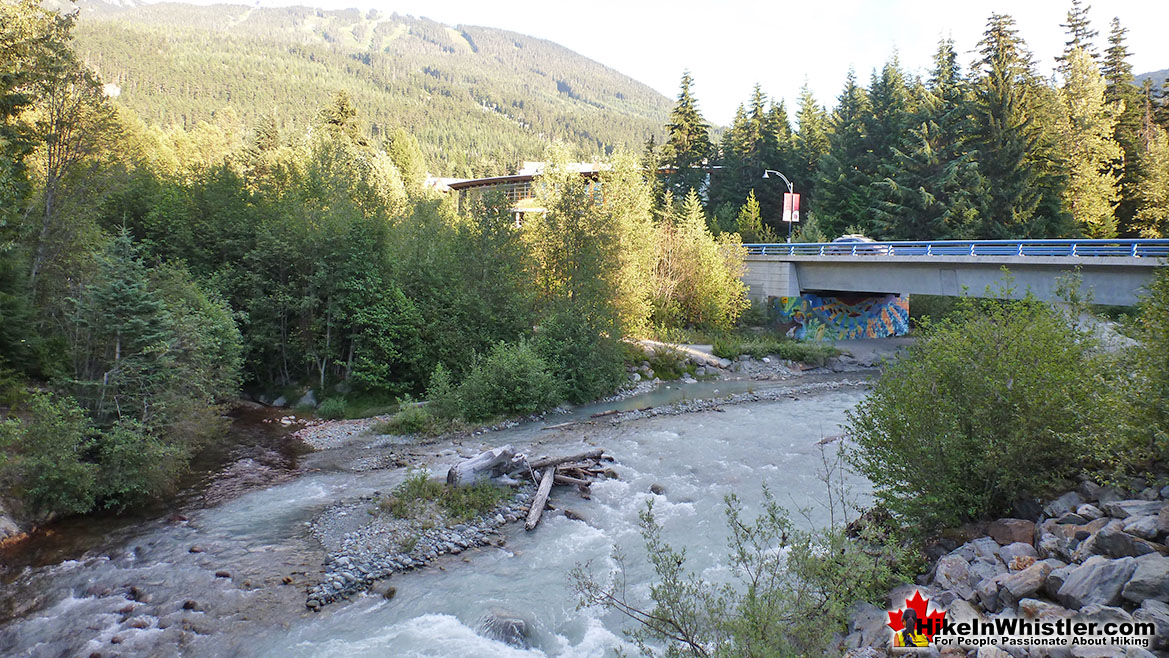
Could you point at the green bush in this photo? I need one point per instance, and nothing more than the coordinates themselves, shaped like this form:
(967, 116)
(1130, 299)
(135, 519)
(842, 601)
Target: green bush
(930, 308)
(1144, 397)
(511, 380)
(442, 393)
(586, 362)
(731, 346)
(42, 455)
(998, 401)
(413, 418)
(136, 465)
(331, 409)
(419, 497)
(669, 363)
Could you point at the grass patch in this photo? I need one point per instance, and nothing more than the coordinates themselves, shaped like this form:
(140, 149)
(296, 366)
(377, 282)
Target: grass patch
(420, 497)
(412, 418)
(759, 346)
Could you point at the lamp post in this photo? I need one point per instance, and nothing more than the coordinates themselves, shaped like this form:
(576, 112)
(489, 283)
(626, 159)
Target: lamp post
(790, 190)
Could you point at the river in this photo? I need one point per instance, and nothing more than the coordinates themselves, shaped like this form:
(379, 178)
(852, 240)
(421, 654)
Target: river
(225, 575)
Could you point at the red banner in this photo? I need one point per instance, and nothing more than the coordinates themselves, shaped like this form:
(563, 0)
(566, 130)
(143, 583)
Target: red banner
(791, 207)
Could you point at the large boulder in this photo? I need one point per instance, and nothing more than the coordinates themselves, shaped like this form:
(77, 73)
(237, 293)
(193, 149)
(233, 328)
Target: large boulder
(1150, 580)
(952, 572)
(1113, 541)
(1064, 504)
(506, 627)
(1025, 583)
(1009, 531)
(866, 626)
(1158, 613)
(1098, 581)
(1144, 526)
(1122, 509)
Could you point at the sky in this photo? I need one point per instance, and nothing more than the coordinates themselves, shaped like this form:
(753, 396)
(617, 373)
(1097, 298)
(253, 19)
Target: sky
(730, 46)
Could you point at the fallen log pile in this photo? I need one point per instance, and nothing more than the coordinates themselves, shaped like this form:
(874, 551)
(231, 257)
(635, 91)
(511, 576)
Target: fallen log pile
(504, 463)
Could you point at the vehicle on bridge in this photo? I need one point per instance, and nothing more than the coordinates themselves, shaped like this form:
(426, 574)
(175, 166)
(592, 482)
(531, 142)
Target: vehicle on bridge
(855, 245)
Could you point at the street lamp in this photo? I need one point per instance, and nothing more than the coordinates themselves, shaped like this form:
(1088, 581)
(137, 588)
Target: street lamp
(790, 190)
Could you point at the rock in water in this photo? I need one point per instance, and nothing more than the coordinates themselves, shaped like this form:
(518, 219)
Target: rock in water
(506, 627)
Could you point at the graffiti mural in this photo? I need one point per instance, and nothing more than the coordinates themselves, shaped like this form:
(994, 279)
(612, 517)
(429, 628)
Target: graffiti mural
(844, 316)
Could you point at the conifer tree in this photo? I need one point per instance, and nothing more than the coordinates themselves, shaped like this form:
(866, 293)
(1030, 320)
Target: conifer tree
(1150, 190)
(1008, 136)
(1088, 125)
(687, 148)
(1080, 34)
(1120, 91)
(809, 145)
(843, 188)
(933, 189)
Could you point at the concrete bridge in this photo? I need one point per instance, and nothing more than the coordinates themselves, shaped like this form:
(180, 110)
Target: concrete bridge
(1112, 271)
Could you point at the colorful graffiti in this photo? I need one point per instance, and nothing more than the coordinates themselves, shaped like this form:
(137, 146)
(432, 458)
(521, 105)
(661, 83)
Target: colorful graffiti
(844, 316)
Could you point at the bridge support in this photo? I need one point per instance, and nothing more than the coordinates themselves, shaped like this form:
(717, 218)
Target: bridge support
(843, 316)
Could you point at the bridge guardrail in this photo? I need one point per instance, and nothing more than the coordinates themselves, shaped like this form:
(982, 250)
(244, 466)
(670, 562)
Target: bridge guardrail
(1146, 248)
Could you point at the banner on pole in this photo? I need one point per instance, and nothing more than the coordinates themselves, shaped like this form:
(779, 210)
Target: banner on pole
(791, 207)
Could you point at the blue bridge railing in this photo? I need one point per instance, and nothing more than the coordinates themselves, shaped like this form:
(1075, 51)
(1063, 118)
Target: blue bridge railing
(1072, 248)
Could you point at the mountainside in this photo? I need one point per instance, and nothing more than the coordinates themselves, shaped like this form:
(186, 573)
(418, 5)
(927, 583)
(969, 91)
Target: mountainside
(477, 98)
(1158, 78)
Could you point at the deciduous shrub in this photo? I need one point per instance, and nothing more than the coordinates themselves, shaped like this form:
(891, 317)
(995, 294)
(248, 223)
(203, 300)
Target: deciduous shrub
(331, 409)
(997, 401)
(511, 379)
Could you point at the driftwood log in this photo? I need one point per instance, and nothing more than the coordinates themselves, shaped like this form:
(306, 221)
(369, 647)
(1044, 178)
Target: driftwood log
(484, 466)
(541, 498)
(579, 471)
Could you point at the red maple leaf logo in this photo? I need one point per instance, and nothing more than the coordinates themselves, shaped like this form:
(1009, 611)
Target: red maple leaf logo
(930, 622)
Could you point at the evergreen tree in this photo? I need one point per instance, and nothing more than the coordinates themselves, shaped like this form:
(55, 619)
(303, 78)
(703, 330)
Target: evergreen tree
(750, 223)
(933, 188)
(1088, 126)
(1080, 34)
(687, 149)
(1008, 137)
(1151, 184)
(810, 144)
(1121, 92)
(843, 187)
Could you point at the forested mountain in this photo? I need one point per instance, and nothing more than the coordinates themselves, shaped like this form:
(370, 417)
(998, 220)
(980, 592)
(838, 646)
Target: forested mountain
(1158, 78)
(478, 99)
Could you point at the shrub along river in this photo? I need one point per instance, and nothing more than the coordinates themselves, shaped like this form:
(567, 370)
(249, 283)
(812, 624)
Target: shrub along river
(224, 569)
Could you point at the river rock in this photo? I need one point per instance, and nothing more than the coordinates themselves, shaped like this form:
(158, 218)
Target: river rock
(1144, 527)
(507, 628)
(1113, 541)
(1064, 504)
(1009, 531)
(308, 400)
(1098, 581)
(1150, 580)
(1156, 612)
(280, 402)
(1011, 552)
(1089, 511)
(1122, 509)
(866, 625)
(1025, 583)
(1148, 493)
(657, 489)
(1163, 521)
(987, 592)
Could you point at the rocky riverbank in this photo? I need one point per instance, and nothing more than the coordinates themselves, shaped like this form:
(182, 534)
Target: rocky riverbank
(1093, 554)
(366, 545)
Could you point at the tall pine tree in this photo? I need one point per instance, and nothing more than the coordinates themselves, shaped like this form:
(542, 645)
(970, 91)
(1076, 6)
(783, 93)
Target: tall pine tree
(1090, 150)
(687, 150)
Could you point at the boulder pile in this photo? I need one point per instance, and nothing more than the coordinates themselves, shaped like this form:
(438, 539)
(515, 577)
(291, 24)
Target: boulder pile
(1096, 554)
